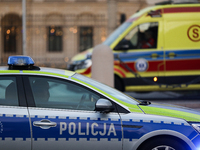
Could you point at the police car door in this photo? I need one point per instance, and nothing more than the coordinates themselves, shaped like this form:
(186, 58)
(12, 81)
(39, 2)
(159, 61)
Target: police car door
(64, 117)
(14, 119)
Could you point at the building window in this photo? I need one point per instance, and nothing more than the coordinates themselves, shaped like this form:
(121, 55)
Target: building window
(11, 33)
(55, 39)
(122, 18)
(86, 38)
(10, 39)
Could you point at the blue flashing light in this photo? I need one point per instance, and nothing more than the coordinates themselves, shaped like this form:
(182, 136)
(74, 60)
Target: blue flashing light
(20, 61)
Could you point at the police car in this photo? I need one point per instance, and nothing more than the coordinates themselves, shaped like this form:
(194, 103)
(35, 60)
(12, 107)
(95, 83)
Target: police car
(45, 108)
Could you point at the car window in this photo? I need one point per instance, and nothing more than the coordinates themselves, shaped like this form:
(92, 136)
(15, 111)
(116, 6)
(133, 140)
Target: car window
(61, 94)
(8, 91)
(143, 36)
(107, 89)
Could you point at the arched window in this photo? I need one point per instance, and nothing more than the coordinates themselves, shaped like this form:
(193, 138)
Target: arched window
(11, 25)
(86, 22)
(54, 24)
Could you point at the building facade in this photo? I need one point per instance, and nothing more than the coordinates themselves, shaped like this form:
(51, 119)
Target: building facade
(56, 30)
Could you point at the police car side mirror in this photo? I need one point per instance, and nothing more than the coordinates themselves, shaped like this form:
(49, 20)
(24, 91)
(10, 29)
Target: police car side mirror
(104, 106)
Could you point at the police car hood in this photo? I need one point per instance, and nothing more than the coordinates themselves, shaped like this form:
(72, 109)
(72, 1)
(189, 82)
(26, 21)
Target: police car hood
(171, 111)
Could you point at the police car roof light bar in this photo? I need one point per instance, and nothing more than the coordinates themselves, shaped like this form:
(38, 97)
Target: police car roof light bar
(21, 62)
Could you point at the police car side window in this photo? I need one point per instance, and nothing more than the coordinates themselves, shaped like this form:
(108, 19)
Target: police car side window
(61, 94)
(8, 91)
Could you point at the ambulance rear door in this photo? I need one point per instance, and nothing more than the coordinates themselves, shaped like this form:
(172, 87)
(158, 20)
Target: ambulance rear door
(182, 48)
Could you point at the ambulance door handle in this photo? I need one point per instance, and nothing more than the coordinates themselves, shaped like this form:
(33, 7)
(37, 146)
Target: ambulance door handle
(172, 55)
(44, 124)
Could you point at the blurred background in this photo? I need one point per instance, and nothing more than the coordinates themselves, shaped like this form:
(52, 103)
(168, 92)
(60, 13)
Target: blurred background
(56, 30)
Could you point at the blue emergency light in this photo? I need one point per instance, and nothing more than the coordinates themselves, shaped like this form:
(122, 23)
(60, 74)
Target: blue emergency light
(20, 62)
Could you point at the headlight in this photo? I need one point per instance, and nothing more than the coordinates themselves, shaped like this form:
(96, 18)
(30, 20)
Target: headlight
(83, 64)
(196, 126)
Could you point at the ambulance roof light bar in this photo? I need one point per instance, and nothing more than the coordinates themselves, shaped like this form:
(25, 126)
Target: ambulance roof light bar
(164, 2)
(176, 3)
(21, 63)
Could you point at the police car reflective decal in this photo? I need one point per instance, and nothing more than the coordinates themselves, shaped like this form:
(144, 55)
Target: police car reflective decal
(135, 129)
(1, 127)
(78, 128)
(68, 128)
(13, 127)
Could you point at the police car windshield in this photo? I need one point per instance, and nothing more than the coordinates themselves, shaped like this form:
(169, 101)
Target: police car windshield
(109, 90)
(117, 33)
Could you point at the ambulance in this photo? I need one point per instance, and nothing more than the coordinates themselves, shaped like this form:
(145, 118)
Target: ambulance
(156, 49)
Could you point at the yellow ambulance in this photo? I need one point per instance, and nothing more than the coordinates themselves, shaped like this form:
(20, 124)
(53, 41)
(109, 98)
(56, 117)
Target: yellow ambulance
(156, 49)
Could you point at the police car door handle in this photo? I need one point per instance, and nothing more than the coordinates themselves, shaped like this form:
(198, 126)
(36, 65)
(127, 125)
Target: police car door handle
(44, 124)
